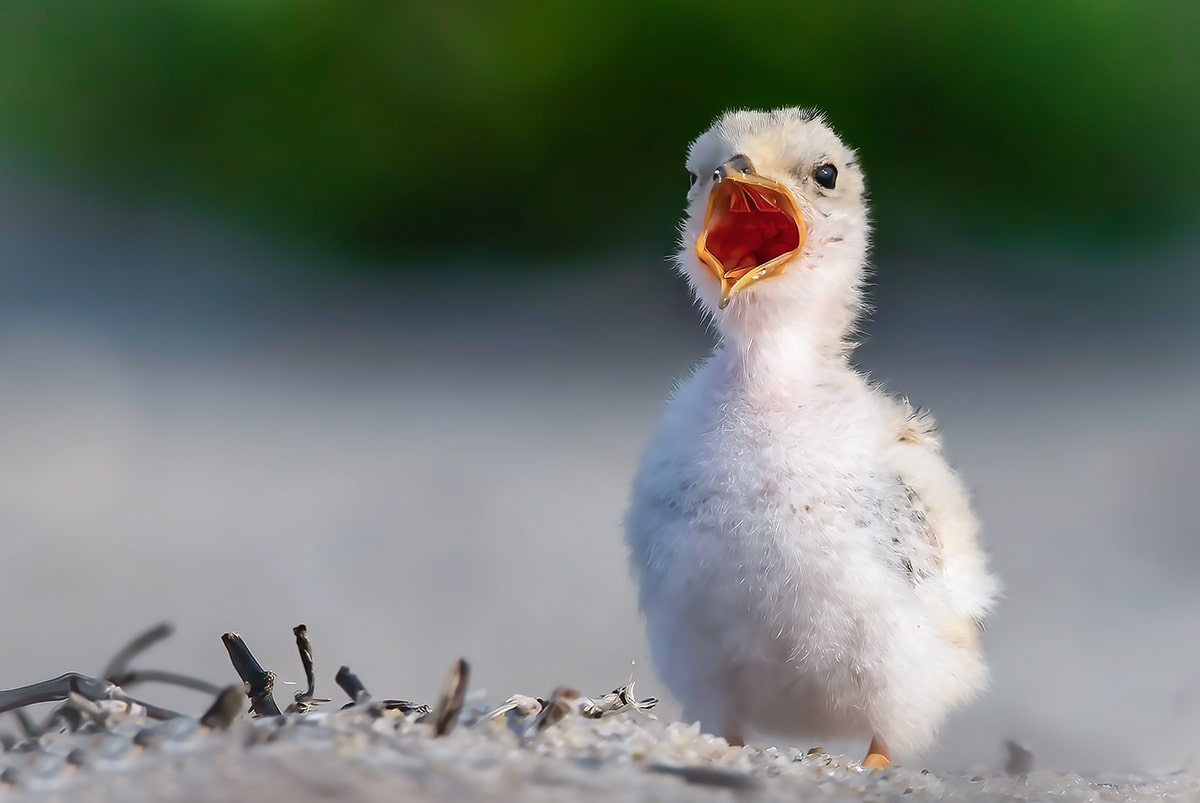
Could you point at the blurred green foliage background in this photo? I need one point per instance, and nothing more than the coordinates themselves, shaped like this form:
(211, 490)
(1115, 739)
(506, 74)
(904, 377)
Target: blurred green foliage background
(454, 128)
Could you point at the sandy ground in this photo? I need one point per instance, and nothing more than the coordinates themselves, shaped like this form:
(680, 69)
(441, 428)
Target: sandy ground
(353, 757)
(193, 428)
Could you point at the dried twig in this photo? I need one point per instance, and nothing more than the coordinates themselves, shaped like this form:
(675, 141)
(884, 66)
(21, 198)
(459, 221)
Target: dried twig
(350, 683)
(259, 682)
(224, 709)
(118, 670)
(304, 646)
(99, 700)
(135, 676)
(60, 688)
(1019, 760)
(29, 728)
(305, 699)
(88, 708)
(354, 688)
(119, 663)
(115, 672)
(450, 701)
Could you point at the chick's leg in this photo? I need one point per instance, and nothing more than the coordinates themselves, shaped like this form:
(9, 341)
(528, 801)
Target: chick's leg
(877, 755)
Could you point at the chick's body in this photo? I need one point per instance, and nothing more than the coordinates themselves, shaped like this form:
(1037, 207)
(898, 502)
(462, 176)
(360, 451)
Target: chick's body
(807, 560)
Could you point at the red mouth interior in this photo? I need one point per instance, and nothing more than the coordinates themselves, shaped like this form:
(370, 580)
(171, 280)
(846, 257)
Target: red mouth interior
(748, 227)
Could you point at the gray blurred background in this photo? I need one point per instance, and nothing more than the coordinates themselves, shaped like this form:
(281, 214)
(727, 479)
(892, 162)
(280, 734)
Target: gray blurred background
(359, 316)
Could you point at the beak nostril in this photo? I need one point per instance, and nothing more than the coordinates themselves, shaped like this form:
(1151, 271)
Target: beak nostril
(739, 165)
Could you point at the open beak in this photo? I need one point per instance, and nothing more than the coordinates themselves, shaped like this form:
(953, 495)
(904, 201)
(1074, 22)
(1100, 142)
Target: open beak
(752, 227)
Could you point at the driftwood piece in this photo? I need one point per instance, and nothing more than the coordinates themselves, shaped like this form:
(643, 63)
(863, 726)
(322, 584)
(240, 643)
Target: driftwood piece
(224, 709)
(260, 683)
(87, 687)
(350, 683)
(119, 663)
(450, 701)
(356, 690)
(305, 700)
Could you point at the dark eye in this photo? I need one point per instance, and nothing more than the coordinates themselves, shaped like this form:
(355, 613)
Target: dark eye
(826, 176)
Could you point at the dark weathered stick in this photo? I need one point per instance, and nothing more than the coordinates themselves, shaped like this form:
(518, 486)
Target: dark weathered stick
(152, 711)
(86, 707)
(224, 709)
(1019, 760)
(134, 676)
(115, 672)
(349, 682)
(55, 689)
(259, 682)
(304, 646)
(305, 699)
(31, 729)
(59, 688)
(120, 662)
(450, 701)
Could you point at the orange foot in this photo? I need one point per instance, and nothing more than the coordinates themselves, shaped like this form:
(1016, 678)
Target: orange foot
(877, 755)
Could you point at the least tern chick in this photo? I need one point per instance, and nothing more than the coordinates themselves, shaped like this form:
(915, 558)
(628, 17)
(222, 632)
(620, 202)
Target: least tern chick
(807, 561)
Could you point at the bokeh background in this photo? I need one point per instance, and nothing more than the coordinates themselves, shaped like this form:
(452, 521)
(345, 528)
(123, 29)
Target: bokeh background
(358, 314)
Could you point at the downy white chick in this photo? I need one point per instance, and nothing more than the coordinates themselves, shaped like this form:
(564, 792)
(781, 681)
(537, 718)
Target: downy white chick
(807, 561)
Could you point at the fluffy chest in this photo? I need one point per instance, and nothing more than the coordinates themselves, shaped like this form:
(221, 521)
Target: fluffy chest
(764, 492)
(728, 453)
